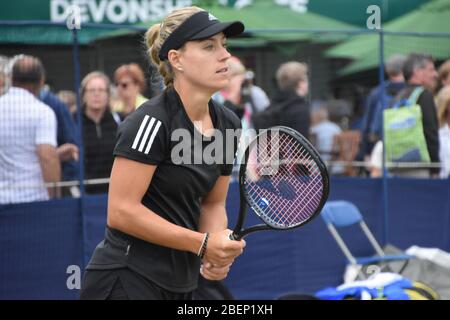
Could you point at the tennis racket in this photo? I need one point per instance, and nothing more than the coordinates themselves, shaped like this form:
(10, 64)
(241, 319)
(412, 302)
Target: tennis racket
(283, 179)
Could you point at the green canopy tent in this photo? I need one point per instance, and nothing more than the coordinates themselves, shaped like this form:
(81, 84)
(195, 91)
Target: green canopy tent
(31, 22)
(267, 22)
(38, 32)
(260, 15)
(431, 18)
(264, 15)
(270, 21)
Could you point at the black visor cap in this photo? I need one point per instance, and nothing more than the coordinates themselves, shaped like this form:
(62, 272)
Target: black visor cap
(230, 29)
(201, 25)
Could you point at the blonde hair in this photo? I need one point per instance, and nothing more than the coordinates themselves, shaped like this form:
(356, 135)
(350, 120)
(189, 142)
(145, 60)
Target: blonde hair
(443, 105)
(158, 33)
(236, 66)
(443, 72)
(289, 75)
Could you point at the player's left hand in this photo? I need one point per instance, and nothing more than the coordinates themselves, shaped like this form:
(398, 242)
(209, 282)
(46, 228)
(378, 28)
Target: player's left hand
(214, 272)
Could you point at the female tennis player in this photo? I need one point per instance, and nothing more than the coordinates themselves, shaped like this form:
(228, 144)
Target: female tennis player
(165, 217)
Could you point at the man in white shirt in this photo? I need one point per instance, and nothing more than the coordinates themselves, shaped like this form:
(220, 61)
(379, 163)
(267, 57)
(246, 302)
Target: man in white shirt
(28, 157)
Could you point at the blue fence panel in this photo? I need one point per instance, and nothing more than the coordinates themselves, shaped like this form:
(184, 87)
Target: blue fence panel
(309, 259)
(94, 215)
(419, 213)
(40, 241)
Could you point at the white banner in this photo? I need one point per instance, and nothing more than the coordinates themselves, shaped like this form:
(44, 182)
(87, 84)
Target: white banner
(115, 11)
(136, 11)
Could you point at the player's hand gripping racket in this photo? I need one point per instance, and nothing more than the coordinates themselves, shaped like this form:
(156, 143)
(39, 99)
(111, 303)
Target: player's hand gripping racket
(283, 179)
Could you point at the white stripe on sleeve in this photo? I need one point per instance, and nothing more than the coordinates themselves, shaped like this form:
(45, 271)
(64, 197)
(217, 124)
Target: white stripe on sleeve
(155, 131)
(146, 134)
(141, 129)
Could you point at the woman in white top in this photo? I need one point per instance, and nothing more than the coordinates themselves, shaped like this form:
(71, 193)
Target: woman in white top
(443, 104)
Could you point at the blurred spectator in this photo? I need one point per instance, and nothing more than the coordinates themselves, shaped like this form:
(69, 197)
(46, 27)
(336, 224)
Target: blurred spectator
(419, 71)
(230, 96)
(66, 134)
(378, 100)
(443, 76)
(339, 112)
(357, 96)
(443, 104)
(28, 156)
(130, 83)
(292, 81)
(69, 98)
(99, 129)
(253, 97)
(323, 132)
(242, 95)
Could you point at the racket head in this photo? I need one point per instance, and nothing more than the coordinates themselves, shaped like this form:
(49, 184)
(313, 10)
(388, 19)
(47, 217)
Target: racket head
(283, 179)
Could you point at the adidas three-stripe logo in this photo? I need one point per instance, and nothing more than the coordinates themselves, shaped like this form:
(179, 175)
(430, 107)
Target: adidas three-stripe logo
(147, 131)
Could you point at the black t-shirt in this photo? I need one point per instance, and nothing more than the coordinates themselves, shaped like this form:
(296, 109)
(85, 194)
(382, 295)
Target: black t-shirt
(161, 133)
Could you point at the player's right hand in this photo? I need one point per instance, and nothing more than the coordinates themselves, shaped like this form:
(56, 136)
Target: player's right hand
(220, 251)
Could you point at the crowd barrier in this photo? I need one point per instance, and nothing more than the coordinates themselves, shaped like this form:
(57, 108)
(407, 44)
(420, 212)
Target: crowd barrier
(45, 245)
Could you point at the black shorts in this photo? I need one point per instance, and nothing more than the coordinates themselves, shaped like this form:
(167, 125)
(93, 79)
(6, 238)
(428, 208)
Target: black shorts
(124, 284)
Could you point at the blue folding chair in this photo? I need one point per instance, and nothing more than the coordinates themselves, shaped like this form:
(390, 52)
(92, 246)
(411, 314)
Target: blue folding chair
(339, 214)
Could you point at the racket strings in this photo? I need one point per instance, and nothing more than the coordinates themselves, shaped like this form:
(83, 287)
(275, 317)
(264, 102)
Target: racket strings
(299, 153)
(314, 186)
(284, 216)
(283, 180)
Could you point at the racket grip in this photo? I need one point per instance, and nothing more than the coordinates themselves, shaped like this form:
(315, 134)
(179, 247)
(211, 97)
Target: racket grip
(234, 237)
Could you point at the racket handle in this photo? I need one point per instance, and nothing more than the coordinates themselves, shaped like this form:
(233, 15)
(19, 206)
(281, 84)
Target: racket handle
(235, 237)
